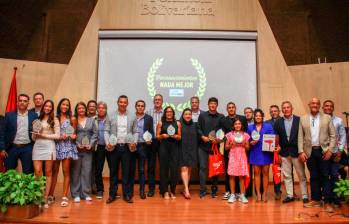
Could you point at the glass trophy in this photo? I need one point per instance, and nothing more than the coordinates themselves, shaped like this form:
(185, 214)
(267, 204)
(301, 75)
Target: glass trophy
(113, 140)
(37, 126)
(147, 136)
(85, 141)
(171, 130)
(238, 137)
(69, 130)
(212, 135)
(220, 134)
(130, 138)
(255, 135)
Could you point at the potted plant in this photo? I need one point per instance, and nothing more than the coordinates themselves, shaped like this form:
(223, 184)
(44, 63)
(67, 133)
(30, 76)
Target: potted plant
(20, 194)
(342, 190)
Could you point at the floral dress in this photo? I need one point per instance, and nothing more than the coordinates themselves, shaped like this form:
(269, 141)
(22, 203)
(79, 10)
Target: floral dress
(66, 149)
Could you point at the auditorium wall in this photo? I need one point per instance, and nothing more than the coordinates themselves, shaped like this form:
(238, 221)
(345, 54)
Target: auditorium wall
(31, 77)
(276, 81)
(326, 81)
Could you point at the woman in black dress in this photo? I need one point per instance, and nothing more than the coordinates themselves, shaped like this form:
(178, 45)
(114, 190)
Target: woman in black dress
(188, 149)
(168, 132)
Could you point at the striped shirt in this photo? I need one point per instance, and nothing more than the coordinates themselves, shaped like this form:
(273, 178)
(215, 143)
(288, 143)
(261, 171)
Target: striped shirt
(156, 116)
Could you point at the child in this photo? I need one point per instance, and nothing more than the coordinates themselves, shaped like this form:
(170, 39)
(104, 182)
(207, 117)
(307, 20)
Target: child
(237, 143)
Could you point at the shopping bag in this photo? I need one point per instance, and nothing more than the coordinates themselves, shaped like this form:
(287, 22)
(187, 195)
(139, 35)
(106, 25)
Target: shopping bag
(215, 162)
(276, 168)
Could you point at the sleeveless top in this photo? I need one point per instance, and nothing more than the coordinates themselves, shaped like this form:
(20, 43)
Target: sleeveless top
(164, 127)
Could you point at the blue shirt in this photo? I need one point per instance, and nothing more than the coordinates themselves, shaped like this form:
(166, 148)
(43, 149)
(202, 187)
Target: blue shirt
(340, 133)
(101, 126)
(140, 128)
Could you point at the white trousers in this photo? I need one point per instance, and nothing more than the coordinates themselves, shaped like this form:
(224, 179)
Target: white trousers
(286, 168)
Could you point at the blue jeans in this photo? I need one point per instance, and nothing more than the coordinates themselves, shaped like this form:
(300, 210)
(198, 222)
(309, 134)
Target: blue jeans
(24, 154)
(141, 155)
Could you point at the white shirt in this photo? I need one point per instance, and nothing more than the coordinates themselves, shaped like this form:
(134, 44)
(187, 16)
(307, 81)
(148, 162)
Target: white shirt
(340, 133)
(122, 128)
(315, 129)
(195, 116)
(22, 134)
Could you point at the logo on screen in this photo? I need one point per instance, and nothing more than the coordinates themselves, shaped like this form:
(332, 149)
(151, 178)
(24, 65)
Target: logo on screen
(178, 86)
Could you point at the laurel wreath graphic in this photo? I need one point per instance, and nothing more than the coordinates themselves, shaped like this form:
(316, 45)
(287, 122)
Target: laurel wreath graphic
(199, 93)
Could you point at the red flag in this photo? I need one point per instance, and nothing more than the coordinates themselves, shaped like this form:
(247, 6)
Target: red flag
(12, 95)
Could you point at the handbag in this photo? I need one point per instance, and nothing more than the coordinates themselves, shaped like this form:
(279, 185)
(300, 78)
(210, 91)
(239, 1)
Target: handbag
(215, 162)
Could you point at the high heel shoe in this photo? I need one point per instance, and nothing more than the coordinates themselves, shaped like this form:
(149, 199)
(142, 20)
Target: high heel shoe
(186, 196)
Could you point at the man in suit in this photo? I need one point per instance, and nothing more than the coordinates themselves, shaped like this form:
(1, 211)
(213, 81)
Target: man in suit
(16, 142)
(120, 124)
(316, 144)
(226, 124)
(143, 152)
(156, 113)
(38, 100)
(287, 129)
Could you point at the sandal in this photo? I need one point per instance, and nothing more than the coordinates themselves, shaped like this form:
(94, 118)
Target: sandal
(65, 202)
(265, 198)
(172, 195)
(50, 199)
(166, 196)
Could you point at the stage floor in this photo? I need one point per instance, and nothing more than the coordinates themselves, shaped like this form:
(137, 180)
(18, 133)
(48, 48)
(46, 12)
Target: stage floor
(157, 210)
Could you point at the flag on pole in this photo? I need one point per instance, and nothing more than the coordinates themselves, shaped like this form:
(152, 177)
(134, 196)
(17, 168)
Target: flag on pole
(12, 95)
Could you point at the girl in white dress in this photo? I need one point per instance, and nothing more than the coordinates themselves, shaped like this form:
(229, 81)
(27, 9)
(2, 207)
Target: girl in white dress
(44, 148)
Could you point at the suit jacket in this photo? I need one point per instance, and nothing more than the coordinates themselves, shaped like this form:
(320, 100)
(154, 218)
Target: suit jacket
(226, 123)
(10, 129)
(327, 134)
(289, 147)
(111, 126)
(148, 124)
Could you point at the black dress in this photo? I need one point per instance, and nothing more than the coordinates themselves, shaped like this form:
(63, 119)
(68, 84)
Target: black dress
(188, 151)
(168, 158)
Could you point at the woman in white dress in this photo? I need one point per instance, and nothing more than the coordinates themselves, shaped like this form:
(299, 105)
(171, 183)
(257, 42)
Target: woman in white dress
(44, 148)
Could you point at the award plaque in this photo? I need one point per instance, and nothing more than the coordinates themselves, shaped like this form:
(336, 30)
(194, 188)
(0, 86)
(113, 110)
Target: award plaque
(220, 134)
(37, 126)
(129, 138)
(171, 130)
(238, 137)
(85, 141)
(255, 135)
(113, 140)
(147, 136)
(269, 142)
(212, 135)
(69, 130)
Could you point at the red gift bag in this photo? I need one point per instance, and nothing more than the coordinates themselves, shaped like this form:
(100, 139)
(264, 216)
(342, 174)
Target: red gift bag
(215, 162)
(276, 168)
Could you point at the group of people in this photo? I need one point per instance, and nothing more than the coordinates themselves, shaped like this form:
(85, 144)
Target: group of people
(82, 140)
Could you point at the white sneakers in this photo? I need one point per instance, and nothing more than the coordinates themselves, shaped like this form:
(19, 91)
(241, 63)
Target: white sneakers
(232, 198)
(77, 200)
(226, 195)
(241, 197)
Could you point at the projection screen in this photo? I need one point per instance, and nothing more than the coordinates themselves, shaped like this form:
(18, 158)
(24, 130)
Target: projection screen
(177, 65)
